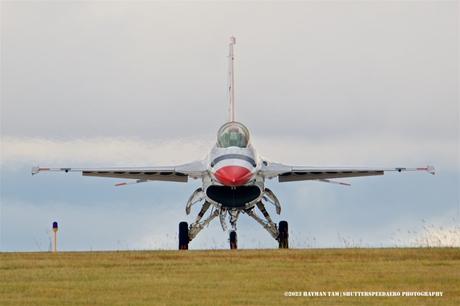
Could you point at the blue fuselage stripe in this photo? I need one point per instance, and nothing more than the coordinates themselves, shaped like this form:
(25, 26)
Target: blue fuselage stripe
(233, 156)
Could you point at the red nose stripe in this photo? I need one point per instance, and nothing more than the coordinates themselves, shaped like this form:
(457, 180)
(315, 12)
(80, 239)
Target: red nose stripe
(233, 175)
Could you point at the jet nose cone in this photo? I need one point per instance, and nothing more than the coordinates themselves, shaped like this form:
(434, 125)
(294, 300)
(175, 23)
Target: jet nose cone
(233, 175)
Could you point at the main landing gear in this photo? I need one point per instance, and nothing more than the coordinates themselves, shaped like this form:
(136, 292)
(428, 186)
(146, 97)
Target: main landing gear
(183, 236)
(283, 236)
(233, 240)
(187, 233)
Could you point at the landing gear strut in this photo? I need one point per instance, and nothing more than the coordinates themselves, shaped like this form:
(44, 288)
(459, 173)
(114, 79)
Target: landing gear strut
(279, 232)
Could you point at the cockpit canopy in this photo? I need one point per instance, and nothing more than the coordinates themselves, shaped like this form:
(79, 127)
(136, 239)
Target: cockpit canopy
(233, 134)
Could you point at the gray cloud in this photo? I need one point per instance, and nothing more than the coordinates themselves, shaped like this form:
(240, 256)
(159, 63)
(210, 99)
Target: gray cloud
(159, 70)
(97, 152)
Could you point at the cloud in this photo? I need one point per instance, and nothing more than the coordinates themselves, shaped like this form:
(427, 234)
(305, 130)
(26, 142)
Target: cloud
(384, 150)
(99, 151)
(86, 228)
(388, 150)
(306, 69)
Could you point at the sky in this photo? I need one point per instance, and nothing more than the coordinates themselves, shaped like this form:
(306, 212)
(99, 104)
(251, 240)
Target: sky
(347, 83)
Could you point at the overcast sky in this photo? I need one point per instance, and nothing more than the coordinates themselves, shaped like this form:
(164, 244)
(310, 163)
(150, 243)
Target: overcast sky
(318, 83)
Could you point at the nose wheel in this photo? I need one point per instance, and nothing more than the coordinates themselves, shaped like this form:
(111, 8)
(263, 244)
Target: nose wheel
(233, 240)
(183, 236)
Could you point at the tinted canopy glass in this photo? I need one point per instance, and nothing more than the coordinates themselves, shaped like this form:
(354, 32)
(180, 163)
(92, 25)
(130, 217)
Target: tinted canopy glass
(233, 134)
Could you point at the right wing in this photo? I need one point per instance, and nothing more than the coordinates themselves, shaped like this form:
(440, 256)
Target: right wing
(179, 173)
(286, 173)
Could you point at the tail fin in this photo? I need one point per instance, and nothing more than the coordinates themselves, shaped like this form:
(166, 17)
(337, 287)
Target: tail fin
(231, 80)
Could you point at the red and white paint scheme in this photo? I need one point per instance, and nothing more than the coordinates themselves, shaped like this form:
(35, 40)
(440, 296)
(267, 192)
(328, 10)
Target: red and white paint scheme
(233, 179)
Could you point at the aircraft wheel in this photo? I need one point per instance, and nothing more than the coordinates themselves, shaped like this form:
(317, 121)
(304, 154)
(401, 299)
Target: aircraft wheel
(283, 237)
(233, 240)
(183, 236)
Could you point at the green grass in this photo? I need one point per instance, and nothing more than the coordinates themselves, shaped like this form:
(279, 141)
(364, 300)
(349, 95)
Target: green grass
(249, 277)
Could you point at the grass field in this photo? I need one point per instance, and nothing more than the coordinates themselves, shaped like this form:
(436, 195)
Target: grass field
(249, 277)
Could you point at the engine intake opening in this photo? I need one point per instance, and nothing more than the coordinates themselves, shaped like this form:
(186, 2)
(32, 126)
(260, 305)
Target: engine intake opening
(233, 196)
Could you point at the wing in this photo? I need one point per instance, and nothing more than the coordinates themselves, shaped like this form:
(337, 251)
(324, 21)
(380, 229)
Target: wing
(286, 173)
(179, 173)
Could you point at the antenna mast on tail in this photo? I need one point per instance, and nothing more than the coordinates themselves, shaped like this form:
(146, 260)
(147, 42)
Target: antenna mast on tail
(231, 80)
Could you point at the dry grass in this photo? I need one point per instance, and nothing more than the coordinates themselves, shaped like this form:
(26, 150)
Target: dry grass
(249, 277)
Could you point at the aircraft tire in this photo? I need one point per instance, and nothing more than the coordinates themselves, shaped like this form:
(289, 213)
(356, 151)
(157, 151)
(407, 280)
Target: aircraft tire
(233, 240)
(183, 236)
(283, 237)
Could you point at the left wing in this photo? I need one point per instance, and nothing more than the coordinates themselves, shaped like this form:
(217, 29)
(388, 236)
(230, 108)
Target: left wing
(179, 173)
(286, 173)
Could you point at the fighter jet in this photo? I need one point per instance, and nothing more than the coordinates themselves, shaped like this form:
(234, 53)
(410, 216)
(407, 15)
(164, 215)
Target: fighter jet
(233, 179)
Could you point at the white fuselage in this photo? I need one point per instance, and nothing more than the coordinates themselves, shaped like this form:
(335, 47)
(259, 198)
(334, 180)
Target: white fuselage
(233, 179)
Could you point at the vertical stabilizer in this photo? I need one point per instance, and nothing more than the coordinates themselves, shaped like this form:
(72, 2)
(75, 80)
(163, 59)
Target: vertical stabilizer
(231, 81)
